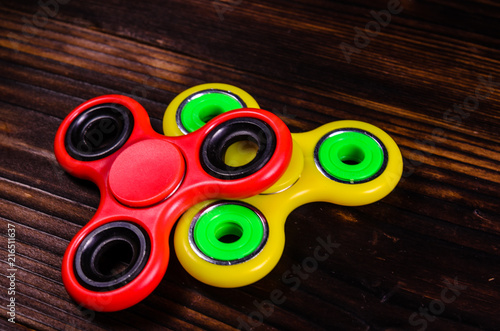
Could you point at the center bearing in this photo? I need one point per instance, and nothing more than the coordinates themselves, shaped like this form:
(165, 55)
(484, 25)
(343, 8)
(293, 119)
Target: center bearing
(146, 173)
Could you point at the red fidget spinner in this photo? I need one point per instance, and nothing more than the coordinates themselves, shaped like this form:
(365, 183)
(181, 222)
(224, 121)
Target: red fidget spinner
(147, 181)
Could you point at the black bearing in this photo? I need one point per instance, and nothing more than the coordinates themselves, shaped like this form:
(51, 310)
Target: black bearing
(111, 256)
(98, 132)
(224, 135)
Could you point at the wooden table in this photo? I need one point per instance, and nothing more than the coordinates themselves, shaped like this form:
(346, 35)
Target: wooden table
(427, 72)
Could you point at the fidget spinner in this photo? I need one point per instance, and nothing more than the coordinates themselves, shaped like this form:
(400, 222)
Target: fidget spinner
(146, 181)
(232, 243)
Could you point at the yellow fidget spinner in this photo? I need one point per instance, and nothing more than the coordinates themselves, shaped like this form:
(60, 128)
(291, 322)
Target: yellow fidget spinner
(232, 243)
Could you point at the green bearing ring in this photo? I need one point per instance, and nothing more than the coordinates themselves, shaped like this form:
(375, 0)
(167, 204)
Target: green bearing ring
(228, 233)
(350, 156)
(200, 107)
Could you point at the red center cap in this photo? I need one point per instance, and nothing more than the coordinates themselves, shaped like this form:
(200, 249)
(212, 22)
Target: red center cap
(146, 173)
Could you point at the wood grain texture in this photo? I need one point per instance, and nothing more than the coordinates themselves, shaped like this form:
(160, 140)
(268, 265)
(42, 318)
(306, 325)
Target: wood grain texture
(414, 79)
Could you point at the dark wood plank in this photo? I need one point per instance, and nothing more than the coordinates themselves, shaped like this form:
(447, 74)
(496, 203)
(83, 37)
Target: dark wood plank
(440, 225)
